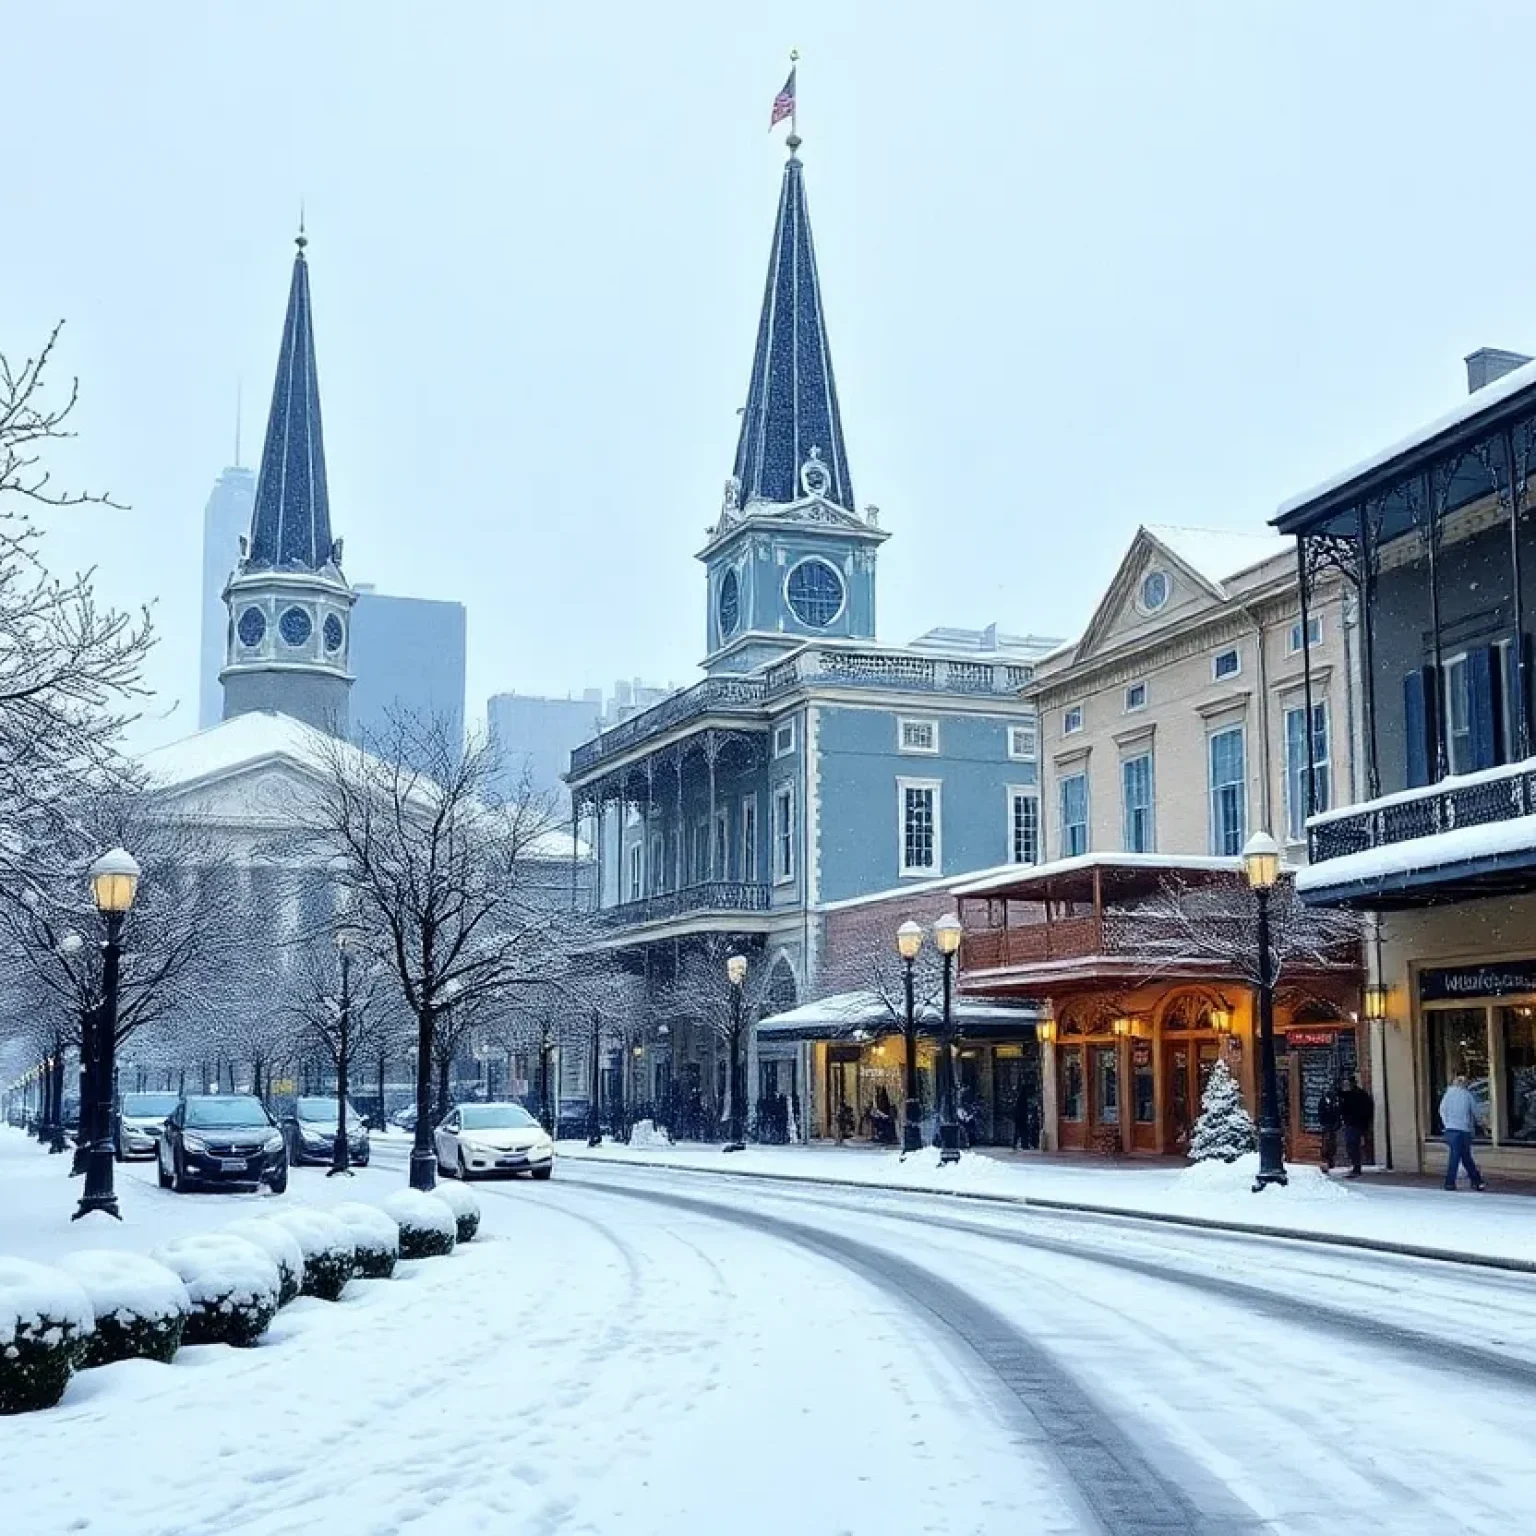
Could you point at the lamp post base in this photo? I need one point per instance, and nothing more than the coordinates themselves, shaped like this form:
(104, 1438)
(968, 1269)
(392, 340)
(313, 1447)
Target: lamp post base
(331, 1173)
(106, 1203)
(912, 1127)
(423, 1168)
(1271, 1161)
(949, 1144)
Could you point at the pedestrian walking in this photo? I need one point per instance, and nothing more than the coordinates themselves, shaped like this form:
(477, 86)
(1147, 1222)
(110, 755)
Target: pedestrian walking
(1328, 1120)
(1458, 1116)
(1021, 1141)
(1357, 1109)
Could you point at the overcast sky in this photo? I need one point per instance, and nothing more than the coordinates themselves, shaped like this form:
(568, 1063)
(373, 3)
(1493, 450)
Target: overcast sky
(1085, 265)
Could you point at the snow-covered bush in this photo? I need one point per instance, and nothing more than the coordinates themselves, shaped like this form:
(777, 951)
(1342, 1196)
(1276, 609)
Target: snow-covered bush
(376, 1235)
(45, 1320)
(1225, 1128)
(330, 1255)
(279, 1245)
(465, 1207)
(644, 1134)
(428, 1227)
(141, 1307)
(233, 1286)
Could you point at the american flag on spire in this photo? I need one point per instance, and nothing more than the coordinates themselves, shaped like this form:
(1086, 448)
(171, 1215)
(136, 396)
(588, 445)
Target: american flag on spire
(784, 102)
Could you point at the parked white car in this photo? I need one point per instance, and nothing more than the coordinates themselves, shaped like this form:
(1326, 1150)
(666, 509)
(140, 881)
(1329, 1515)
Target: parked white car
(493, 1138)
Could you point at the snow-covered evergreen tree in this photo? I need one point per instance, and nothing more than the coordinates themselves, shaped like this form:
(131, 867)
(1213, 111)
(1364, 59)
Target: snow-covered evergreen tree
(1225, 1128)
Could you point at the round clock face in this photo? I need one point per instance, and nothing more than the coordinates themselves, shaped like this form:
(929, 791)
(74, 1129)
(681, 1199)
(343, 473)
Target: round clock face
(730, 604)
(252, 626)
(333, 632)
(295, 626)
(815, 593)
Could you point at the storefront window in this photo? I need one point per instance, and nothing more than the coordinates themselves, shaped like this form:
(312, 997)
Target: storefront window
(1143, 1084)
(1072, 1083)
(1457, 1042)
(1106, 1084)
(1519, 1029)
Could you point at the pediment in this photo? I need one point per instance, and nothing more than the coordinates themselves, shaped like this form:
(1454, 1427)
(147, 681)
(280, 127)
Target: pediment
(1154, 588)
(265, 795)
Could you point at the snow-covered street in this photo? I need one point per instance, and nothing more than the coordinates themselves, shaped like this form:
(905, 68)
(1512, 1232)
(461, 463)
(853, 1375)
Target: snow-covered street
(646, 1350)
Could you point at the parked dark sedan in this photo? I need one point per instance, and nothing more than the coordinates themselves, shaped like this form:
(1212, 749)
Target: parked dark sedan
(222, 1139)
(309, 1130)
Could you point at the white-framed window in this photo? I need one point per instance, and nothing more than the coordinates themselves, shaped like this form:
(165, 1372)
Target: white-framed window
(636, 871)
(1021, 741)
(1074, 815)
(1072, 720)
(1135, 697)
(1228, 663)
(784, 739)
(1296, 767)
(1229, 791)
(1458, 714)
(917, 804)
(749, 840)
(1136, 803)
(1314, 634)
(783, 833)
(658, 863)
(1023, 825)
(917, 736)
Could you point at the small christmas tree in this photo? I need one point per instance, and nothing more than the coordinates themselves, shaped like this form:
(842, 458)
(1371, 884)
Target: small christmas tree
(1225, 1128)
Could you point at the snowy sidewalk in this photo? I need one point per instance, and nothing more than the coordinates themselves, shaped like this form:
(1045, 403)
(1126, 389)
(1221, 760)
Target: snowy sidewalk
(1467, 1226)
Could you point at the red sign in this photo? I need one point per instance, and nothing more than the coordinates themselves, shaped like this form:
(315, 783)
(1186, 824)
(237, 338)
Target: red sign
(1297, 1038)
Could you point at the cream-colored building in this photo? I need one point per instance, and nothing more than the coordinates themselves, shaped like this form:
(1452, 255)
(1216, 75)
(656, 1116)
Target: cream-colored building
(1177, 722)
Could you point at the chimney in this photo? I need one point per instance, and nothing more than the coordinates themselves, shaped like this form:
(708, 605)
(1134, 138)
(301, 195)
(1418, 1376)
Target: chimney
(1490, 363)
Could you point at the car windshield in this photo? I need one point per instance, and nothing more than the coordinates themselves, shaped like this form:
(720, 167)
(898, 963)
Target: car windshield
(148, 1104)
(323, 1111)
(495, 1117)
(236, 1110)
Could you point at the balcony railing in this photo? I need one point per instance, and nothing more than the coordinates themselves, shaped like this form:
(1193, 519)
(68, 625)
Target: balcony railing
(843, 668)
(1474, 801)
(1066, 938)
(715, 695)
(707, 896)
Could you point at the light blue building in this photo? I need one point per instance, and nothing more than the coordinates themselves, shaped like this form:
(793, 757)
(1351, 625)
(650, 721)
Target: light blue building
(811, 764)
(408, 657)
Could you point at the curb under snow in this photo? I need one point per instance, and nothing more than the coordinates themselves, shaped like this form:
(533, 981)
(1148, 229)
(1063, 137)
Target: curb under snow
(1078, 1207)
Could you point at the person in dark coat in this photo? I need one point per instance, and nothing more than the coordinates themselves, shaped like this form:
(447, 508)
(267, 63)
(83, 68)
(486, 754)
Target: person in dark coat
(1329, 1120)
(1357, 1109)
(1021, 1119)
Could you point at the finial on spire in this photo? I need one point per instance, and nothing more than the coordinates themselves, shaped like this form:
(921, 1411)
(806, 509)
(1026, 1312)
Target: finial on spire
(301, 240)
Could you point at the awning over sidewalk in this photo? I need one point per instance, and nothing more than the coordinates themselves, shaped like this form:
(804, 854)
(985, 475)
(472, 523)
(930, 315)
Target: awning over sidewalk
(846, 1015)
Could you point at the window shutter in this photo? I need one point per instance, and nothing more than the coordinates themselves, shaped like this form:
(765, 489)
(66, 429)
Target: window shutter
(1480, 706)
(1515, 655)
(1415, 731)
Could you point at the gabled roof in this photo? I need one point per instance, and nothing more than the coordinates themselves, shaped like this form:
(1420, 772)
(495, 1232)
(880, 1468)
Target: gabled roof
(791, 415)
(291, 524)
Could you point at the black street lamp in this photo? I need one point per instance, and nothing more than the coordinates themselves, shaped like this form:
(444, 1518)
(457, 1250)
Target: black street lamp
(909, 939)
(595, 1101)
(341, 1151)
(1261, 864)
(114, 881)
(736, 975)
(946, 937)
(545, 1113)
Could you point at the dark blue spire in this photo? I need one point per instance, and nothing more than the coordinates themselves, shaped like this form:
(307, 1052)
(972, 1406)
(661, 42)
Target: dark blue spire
(291, 524)
(792, 415)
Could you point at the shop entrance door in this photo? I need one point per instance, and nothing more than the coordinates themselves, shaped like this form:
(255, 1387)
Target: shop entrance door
(842, 1092)
(1187, 1068)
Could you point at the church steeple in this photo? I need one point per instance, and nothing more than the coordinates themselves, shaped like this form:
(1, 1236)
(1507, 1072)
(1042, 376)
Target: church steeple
(291, 528)
(791, 418)
(290, 607)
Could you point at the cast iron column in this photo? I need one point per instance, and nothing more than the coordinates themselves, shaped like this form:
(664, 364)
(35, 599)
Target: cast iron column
(595, 1107)
(735, 1144)
(949, 1121)
(1271, 1144)
(99, 1194)
(912, 1114)
(341, 1153)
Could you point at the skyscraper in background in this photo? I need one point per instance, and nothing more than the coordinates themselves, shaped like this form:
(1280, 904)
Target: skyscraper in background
(408, 655)
(534, 736)
(226, 518)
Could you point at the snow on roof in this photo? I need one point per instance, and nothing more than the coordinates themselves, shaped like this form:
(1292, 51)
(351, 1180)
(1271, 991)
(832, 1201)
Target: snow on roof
(1103, 860)
(1219, 554)
(1462, 845)
(911, 888)
(844, 1012)
(1474, 405)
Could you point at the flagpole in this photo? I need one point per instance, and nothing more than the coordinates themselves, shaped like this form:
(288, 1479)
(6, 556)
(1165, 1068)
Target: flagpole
(794, 100)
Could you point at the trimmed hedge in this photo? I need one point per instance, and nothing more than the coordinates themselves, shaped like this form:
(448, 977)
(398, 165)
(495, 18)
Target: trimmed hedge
(141, 1307)
(233, 1286)
(279, 1245)
(45, 1321)
(330, 1255)
(465, 1206)
(428, 1228)
(377, 1237)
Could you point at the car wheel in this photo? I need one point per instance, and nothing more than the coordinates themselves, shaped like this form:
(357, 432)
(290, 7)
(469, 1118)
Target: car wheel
(177, 1182)
(160, 1173)
(463, 1169)
(117, 1151)
(542, 1173)
(278, 1182)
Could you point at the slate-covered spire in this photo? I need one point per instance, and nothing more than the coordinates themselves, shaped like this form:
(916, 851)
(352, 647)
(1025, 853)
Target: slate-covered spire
(792, 417)
(291, 523)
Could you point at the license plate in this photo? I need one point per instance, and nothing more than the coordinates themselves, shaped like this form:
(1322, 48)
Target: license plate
(232, 1164)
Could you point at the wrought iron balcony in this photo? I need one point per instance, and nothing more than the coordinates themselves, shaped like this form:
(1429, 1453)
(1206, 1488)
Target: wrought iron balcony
(1476, 800)
(707, 896)
(840, 667)
(715, 695)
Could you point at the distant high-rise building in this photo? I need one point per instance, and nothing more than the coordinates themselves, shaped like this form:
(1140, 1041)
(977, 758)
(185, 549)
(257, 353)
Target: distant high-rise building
(535, 736)
(407, 656)
(226, 520)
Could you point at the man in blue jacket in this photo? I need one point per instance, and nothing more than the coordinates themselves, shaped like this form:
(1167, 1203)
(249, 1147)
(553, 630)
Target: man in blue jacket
(1458, 1115)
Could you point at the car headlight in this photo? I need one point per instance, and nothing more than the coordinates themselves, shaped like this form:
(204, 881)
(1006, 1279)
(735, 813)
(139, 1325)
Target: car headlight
(193, 1144)
(542, 1149)
(273, 1143)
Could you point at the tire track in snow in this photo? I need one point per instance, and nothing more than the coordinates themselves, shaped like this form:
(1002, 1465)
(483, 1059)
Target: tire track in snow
(1127, 1492)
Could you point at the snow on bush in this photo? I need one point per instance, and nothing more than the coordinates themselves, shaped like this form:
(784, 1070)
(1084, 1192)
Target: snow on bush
(233, 1285)
(1304, 1184)
(428, 1227)
(1225, 1128)
(45, 1320)
(279, 1245)
(645, 1134)
(330, 1255)
(141, 1307)
(376, 1235)
(465, 1207)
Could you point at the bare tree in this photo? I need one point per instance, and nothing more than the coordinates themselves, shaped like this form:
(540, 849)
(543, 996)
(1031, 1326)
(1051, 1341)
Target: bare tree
(442, 876)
